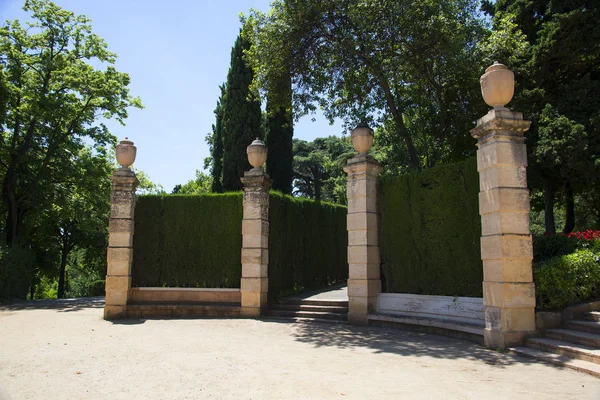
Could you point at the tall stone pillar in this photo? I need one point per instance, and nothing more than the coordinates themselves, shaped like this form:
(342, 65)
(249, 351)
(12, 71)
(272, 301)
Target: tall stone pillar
(255, 234)
(120, 243)
(364, 281)
(506, 246)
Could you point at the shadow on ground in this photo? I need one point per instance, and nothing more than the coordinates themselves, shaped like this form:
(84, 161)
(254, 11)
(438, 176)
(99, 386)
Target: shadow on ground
(62, 305)
(397, 341)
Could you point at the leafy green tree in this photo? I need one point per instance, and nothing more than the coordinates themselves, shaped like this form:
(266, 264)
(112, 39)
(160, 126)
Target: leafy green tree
(280, 131)
(411, 65)
(215, 143)
(319, 168)
(557, 63)
(202, 183)
(241, 117)
(53, 97)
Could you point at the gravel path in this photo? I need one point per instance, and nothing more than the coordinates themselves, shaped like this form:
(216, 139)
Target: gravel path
(65, 350)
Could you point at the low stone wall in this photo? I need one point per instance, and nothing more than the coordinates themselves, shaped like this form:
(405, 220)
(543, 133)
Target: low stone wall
(187, 295)
(458, 309)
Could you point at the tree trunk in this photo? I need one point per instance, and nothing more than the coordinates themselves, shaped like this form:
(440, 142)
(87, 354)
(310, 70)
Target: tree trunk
(570, 209)
(61, 276)
(32, 291)
(12, 210)
(549, 207)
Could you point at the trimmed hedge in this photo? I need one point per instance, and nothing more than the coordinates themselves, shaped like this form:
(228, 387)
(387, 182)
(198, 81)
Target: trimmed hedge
(188, 240)
(568, 279)
(307, 245)
(430, 231)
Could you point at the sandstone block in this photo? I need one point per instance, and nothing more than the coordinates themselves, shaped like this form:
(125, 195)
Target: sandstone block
(120, 239)
(505, 222)
(364, 271)
(114, 312)
(362, 221)
(119, 283)
(256, 211)
(501, 151)
(362, 204)
(507, 246)
(254, 300)
(255, 241)
(507, 270)
(363, 255)
(509, 295)
(255, 256)
(504, 200)
(510, 319)
(254, 285)
(500, 340)
(119, 260)
(502, 176)
(364, 287)
(255, 270)
(250, 312)
(122, 210)
(363, 238)
(121, 225)
(255, 227)
(116, 298)
(361, 187)
(359, 319)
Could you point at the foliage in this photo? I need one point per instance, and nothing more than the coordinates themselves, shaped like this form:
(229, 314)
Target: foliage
(430, 231)
(57, 79)
(319, 168)
(307, 245)
(280, 130)
(568, 279)
(215, 143)
(554, 49)
(241, 117)
(411, 65)
(188, 240)
(201, 184)
(551, 246)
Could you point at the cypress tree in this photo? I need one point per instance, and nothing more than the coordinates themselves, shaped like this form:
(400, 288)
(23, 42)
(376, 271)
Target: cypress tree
(217, 146)
(280, 131)
(241, 117)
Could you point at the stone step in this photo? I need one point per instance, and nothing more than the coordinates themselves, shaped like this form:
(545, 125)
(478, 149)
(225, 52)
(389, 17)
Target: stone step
(572, 350)
(558, 359)
(304, 307)
(306, 314)
(331, 303)
(182, 310)
(574, 336)
(300, 319)
(591, 316)
(586, 326)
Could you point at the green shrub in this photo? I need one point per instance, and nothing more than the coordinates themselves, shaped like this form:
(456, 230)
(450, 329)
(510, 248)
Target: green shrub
(547, 247)
(430, 231)
(307, 245)
(16, 271)
(188, 240)
(566, 280)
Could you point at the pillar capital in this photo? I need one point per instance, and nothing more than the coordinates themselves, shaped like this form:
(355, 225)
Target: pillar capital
(256, 180)
(505, 123)
(363, 164)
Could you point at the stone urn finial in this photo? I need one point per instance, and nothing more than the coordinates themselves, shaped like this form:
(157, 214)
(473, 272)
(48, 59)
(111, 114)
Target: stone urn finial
(257, 154)
(497, 85)
(362, 138)
(125, 153)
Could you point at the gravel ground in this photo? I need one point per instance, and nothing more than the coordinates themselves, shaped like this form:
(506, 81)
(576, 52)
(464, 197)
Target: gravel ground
(65, 350)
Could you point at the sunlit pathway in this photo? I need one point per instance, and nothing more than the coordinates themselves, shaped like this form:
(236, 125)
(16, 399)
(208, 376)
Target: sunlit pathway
(70, 352)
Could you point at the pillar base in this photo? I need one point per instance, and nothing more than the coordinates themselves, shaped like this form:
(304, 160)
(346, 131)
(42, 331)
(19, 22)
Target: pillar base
(359, 319)
(251, 312)
(500, 340)
(115, 312)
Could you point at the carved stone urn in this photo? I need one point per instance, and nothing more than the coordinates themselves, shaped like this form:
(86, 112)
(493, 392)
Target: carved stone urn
(362, 138)
(257, 154)
(126, 153)
(497, 85)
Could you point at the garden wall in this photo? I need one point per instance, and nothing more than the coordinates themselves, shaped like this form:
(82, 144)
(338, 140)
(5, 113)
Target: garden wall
(307, 245)
(188, 241)
(430, 231)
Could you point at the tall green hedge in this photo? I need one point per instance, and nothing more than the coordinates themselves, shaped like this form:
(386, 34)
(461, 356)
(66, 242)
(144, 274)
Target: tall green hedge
(430, 231)
(307, 245)
(188, 240)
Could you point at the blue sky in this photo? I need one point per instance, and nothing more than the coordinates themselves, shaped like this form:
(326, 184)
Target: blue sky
(177, 54)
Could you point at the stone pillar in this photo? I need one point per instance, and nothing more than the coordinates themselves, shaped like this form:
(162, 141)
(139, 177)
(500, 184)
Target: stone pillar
(506, 247)
(255, 242)
(120, 243)
(364, 283)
